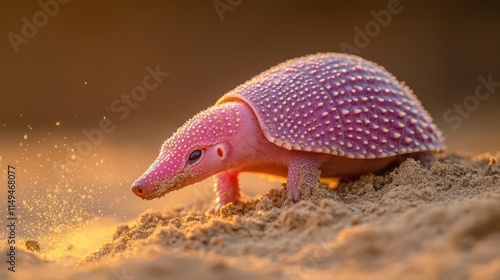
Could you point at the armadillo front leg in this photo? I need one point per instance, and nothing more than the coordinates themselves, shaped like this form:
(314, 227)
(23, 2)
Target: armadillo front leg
(303, 174)
(226, 189)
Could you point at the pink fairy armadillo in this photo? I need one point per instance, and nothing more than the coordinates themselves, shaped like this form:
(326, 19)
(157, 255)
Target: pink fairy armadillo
(333, 115)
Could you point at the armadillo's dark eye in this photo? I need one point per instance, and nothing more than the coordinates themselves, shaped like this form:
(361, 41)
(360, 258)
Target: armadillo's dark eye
(194, 156)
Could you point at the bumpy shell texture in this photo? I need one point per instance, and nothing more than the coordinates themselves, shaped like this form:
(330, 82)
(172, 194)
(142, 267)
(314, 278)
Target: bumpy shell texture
(338, 104)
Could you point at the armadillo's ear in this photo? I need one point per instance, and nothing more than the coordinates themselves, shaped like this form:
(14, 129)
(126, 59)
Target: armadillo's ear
(222, 150)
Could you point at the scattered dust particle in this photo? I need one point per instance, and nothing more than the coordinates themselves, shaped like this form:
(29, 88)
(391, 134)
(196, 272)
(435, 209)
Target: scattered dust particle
(58, 123)
(493, 161)
(25, 136)
(32, 245)
(355, 221)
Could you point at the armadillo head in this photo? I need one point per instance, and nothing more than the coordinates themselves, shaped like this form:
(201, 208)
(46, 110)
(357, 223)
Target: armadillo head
(199, 149)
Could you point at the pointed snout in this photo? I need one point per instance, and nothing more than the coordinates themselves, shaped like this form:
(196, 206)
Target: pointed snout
(141, 189)
(138, 190)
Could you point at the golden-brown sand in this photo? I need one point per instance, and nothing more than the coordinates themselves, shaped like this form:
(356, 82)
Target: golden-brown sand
(440, 221)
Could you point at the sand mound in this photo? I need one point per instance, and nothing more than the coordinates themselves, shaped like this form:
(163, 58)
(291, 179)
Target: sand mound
(439, 221)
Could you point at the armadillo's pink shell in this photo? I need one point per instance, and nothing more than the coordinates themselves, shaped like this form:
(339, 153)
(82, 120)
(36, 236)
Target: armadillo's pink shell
(338, 104)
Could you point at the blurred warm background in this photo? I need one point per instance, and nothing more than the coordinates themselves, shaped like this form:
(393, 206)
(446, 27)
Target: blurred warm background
(66, 77)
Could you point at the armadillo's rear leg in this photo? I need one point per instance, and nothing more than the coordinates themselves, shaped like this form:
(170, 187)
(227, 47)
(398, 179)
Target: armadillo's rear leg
(226, 189)
(303, 174)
